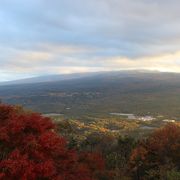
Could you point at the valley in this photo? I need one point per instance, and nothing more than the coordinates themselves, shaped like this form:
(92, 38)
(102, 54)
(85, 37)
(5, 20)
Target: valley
(131, 92)
(120, 115)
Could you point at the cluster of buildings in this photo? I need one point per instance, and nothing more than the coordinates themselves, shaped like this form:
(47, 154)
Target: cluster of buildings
(145, 118)
(132, 116)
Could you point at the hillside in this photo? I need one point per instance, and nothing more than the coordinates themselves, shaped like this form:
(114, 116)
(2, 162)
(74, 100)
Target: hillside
(47, 78)
(99, 94)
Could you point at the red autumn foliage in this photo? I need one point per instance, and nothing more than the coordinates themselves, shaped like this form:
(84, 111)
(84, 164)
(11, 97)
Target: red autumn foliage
(30, 149)
(162, 148)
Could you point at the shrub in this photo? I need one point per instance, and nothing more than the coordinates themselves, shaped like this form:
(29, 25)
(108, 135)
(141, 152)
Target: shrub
(31, 149)
(157, 154)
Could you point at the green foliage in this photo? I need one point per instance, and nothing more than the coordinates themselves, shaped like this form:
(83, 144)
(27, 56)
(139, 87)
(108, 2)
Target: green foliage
(173, 174)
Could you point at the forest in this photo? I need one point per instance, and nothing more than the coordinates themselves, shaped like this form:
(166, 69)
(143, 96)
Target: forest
(140, 93)
(35, 147)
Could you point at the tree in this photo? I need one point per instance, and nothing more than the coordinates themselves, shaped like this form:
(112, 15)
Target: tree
(158, 154)
(31, 149)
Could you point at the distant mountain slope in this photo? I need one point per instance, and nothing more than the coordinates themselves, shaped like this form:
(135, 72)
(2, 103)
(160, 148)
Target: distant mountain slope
(101, 93)
(47, 78)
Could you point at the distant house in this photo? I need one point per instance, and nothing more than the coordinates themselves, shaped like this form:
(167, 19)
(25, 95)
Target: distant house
(145, 118)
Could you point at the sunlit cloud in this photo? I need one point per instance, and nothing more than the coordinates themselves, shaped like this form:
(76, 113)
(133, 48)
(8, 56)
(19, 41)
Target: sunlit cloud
(40, 37)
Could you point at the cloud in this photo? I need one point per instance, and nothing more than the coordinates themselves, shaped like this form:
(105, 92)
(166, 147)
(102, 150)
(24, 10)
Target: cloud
(43, 36)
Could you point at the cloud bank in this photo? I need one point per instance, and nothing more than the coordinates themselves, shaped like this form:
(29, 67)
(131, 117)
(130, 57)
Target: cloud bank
(40, 37)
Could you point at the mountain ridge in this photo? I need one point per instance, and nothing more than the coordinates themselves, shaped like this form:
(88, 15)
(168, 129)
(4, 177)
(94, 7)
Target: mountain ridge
(61, 77)
(129, 92)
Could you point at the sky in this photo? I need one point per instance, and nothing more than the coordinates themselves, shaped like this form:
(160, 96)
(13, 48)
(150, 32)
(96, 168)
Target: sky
(41, 37)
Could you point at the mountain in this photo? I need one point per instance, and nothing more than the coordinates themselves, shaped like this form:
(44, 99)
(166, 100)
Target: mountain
(47, 78)
(139, 92)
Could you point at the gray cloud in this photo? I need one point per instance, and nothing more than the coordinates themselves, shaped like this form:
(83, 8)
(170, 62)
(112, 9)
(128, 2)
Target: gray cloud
(91, 35)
